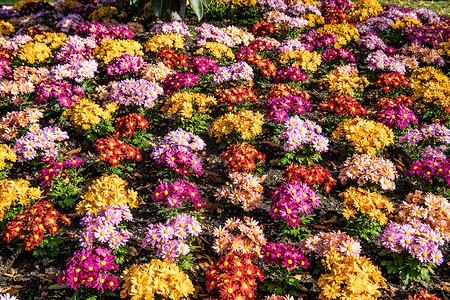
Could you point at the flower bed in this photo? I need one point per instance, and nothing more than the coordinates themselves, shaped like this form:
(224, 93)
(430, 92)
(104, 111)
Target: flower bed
(298, 152)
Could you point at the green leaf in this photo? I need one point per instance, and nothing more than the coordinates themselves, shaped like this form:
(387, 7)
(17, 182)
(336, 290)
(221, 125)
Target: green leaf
(198, 7)
(57, 287)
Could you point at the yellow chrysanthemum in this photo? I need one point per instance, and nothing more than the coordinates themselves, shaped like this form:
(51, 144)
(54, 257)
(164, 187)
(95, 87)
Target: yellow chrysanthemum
(366, 136)
(161, 41)
(246, 124)
(156, 278)
(111, 48)
(105, 191)
(16, 192)
(85, 113)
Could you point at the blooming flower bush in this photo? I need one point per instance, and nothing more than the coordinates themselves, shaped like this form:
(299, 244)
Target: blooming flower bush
(172, 239)
(176, 154)
(156, 278)
(37, 227)
(353, 91)
(245, 190)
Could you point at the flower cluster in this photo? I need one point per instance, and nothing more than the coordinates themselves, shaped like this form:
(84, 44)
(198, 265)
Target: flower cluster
(89, 268)
(313, 175)
(343, 105)
(340, 281)
(6, 155)
(286, 255)
(238, 94)
(135, 92)
(114, 151)
(34, 225)
(427, 133)
(39, 141)
(78, 70)
(280, 109)
(290, 74)
(176, 152)
(264, 65)
(176, 81)
(171, 239)
(230, 36)
(177, 194)
(156, 72)
(239, 237)
(297, 133)
(379, 60)
(324, 243)
(338, 56)
(126, 126)
(109, 48)
(161, 41)
(433, 166)
(156, 278)
(430, 209)
(394, 114)
(34, 53)
(190, 109)
(239, 71)
(303, 59)
(365, 135)
(125, 64)
(172, 27)
(423, 295)
(12, 123)
(108, 190)
(417, 238)
(344, 80)
(86, 113)
(245, 190)
(243, 125)
(8, 296)
(430, 85)
(366, 168)
(262, 28)
(358, 200)
(280, 20)
(64, 92)
(53, 168)
(216, 50)
(101, 32)
(14, 192)
(292, 201)
(241, 158)
(234, 276)
(393, 82)
(343, 32)
(203, 65)
(172, 59)
(103, 226)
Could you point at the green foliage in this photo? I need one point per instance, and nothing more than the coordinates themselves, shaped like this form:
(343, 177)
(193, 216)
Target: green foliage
(298, 232)
(199, 7)
(139, 139)
(361, 226)
(247, 15)
(408, 267)
(305, 156)
(11, 214)
(120, 254)
(104, 129)
(282, 281)
(120, 170)
(65, 191)
(185, 262)
(49, 246)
